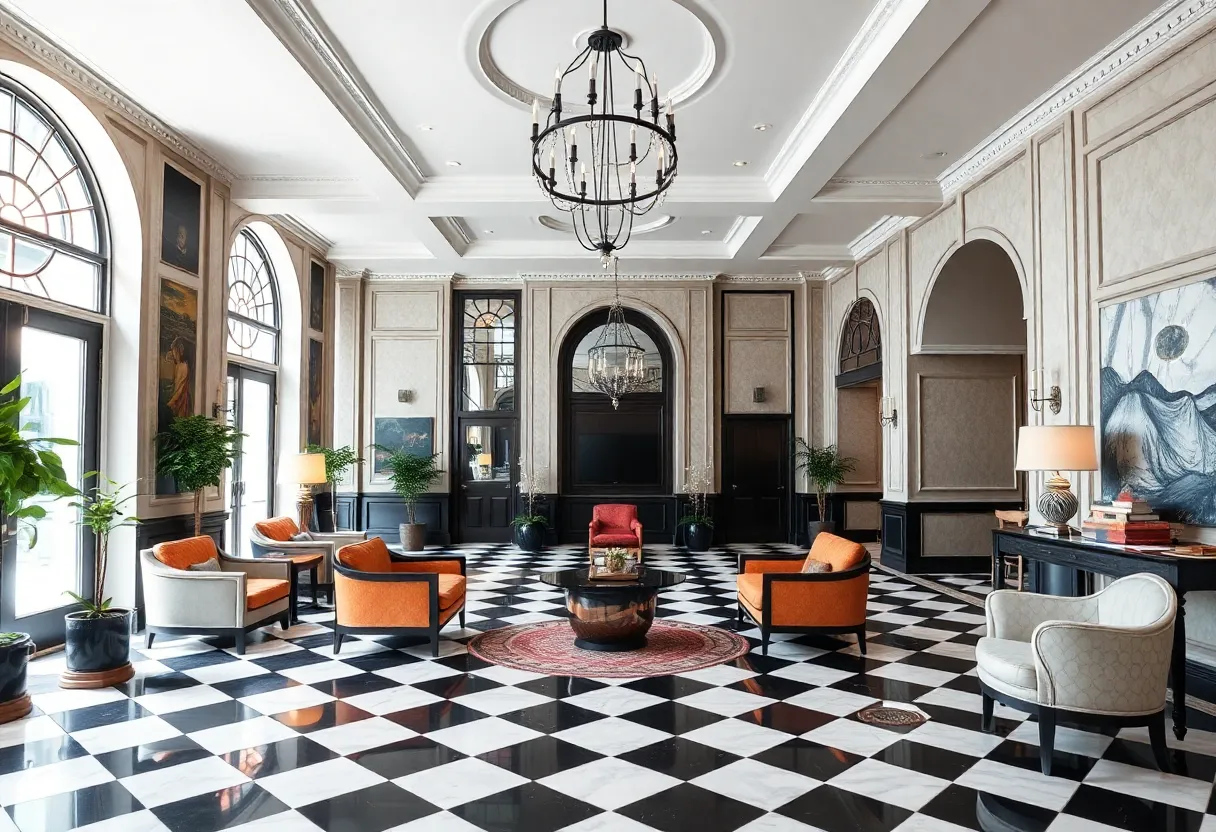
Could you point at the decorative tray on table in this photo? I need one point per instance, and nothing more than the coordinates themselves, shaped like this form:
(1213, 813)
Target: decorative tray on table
(603, 573)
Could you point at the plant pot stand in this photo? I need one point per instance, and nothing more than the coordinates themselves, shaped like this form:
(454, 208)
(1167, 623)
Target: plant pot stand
(15, 708)
(79, 679)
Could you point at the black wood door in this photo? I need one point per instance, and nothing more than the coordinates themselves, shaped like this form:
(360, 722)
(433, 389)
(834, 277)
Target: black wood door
(485, 479)
(755, 482)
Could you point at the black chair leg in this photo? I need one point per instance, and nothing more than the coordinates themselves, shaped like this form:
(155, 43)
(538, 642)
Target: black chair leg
(1156, 739)
(148, 636)
(763, 642)
(435, 644)
(286, 621)
(1047, 739)
(240, 642)
(312, 582)
(986, 720)
(462, 618)
(337, 642)
(861, 640)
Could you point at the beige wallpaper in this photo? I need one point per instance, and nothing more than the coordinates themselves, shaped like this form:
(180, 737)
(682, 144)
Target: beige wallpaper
(757, 351)
(859, 435)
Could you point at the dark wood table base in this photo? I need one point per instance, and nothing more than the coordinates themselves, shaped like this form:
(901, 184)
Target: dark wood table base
(611, 618)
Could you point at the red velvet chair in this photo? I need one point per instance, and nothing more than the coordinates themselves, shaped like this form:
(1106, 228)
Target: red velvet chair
(613, 525)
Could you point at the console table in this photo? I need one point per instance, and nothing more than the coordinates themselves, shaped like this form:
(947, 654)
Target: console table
(1184, 574)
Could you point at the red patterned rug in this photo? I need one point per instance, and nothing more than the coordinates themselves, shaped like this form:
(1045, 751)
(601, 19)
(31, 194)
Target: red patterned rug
(548, 647)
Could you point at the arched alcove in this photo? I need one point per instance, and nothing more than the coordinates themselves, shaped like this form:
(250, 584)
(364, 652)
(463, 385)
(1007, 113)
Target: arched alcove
(975, 304)
(859, 393)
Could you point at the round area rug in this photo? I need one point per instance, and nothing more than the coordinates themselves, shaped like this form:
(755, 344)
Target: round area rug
(548, 647)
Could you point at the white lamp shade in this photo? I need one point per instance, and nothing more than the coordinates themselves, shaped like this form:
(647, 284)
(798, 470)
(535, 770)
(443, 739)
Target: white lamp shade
(305, 469)
(1056, 448)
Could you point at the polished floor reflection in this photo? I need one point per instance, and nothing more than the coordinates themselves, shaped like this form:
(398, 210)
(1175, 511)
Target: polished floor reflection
(290, 738)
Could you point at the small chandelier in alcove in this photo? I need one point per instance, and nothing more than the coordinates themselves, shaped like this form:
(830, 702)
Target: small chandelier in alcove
(616, 364)
(608, 185)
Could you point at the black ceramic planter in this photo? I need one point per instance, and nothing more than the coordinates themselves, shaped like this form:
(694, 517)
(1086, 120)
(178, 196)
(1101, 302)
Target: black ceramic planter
(698, 537)
(93, 645)
(323, 511)
(13, 660)
(814, 527)
(530, 536)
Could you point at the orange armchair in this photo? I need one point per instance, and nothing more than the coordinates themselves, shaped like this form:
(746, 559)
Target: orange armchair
(378, 592)
(615, 524)
(775, 593)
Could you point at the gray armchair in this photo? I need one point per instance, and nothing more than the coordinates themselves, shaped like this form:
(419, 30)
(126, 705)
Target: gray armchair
(243, 595)
(1103, 658)
(275, 537)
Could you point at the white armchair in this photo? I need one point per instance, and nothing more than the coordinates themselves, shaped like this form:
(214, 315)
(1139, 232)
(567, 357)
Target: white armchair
(1102, 658)
(243, 595)
(275, 537)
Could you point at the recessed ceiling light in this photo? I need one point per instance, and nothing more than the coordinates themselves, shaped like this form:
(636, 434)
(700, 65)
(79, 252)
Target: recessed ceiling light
(427, 127)
(936, 154)
(760, 128)
(706, 231)
(452, 163)
(489, 230)
(740, 163)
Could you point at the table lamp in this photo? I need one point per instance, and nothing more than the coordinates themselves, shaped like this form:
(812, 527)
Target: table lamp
(306, 470)
(1057, 448)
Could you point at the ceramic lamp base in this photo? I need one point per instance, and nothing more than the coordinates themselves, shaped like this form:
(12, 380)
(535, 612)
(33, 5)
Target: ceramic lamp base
(1058, 504)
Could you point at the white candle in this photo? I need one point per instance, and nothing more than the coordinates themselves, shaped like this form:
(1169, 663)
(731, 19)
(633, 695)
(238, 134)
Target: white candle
(633, 173)
(552, 158)
(660, 158)
(633, 135)
(557, 80)
(595, 65)
(573, 136)
(535, 111)
(638, 72)
(584, 171)
(670, 111)
(654, 81)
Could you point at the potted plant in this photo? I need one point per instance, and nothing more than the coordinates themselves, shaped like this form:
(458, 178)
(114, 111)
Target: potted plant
(411, 477)
(529, 525)
(97, 643)
(28, 468)
(825, 468)
(196, 451)
(337, 462)
(698, 524)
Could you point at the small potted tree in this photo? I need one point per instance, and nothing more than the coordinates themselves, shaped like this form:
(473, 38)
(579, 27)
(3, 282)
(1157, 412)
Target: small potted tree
(411, 477)
(824, 468)
(196, 451)
(28, 468)
(698, 524)
(337, 462)
(529, 524)
(98, 636)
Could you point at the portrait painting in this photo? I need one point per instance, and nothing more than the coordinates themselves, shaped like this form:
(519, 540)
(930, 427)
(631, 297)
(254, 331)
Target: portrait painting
(316, 297)
(316, 400)
(181, 220)
(1158, 387)
(415, 435)
(176, 351)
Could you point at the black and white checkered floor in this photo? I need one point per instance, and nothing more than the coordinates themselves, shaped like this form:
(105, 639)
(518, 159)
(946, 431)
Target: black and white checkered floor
(288, 738)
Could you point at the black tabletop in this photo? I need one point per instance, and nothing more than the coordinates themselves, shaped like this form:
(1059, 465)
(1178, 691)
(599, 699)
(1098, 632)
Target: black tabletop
(580, 579)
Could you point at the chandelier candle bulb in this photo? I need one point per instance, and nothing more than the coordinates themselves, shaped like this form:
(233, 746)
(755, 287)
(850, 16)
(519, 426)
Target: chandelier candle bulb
(633, 173)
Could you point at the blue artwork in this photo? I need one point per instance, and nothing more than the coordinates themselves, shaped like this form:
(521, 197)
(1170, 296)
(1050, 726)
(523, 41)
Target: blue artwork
(1158, 386)
(415, 435)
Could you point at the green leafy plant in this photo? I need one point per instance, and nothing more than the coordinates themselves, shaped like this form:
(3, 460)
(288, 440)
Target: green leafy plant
(615, 559)
(28, 466)
(698, 480)
(411, 476)
(102, 510)
(196, 451)
(824, 467)
(337, 461)
(10, 638)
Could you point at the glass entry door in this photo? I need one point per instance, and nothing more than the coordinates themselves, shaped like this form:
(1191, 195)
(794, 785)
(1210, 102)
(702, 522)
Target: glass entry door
(486, 478)
(59, 359)
(251, 401)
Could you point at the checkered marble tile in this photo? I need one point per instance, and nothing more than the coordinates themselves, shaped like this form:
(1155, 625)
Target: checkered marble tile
(290, 737)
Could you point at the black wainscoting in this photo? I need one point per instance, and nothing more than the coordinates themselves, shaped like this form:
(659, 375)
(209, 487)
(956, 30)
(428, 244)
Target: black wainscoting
(658, 514)
(901, 537)
(163, 529)
(381, 514)
(346, 508)
(806, 509)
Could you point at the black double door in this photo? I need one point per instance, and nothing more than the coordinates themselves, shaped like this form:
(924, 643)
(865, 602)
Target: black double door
(485, 478)
(756, 479)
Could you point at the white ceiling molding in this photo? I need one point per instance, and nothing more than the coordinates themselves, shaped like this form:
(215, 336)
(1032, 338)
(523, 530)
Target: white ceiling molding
(1170, 26)
(289, 223)
(851, 189)
(456, 231)
(343, 273)
(601, 277)
(387, 277)
(300, 29)
(785, 279)
(26, 36)
(648, 227)
(808, 251)
(497, 189)
(404, 250)
(835, 273)
(876, 235)
(886, 24)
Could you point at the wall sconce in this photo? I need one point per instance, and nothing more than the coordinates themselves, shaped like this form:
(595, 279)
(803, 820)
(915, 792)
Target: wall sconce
(405, 396)
(889, 415)
(218, 406)
(1054, 399)
(758, 395)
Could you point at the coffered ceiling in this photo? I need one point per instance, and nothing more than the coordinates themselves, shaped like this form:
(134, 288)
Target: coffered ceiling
(398, 129)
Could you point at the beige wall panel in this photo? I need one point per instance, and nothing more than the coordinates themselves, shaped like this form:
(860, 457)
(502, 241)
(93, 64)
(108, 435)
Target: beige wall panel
(1002, 203)
(757, 312)
(862, 514)
(815, 362)
(757, 362)
(406, 310)
(956, 535)
(1055, 286)
(895, 368)
(858, 434)
(699, 414)
(411, 364)
(872, 276)
(1163, 181)
(843, 294)
(927, 245)
(967, 431)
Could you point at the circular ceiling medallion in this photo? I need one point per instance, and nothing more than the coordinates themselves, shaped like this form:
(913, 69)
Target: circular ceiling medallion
(512, 47)
(566, 227)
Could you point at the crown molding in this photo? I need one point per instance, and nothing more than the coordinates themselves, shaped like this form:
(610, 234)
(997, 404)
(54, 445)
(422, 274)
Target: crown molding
(393, 277)
(852, 189)
(751, 279)
(487, 280)
(808, 251)
(343, 273)
(310, 236)
(23, 33)
(603, 277)
(876, 235)
(831, 275)
(1169, 27)
(310, 42)
(456, 231)
(523, 188)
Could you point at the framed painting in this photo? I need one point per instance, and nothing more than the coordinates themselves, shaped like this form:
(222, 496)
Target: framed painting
(316, 297)
(316, 401)
(180, 220)
(177, 348)
(415, 435)
(1158, 390)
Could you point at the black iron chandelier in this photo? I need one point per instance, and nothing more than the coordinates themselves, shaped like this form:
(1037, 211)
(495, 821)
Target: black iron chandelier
(616, 363)
(627, 162)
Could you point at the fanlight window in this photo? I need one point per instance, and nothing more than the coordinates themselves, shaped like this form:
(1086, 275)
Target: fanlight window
(50, 242)
(488, 354)
(652, 361)
(861, 342)
(253, 301)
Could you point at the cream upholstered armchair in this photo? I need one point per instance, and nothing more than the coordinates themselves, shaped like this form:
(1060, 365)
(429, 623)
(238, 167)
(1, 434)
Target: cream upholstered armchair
(1103, 658)
(280, 537)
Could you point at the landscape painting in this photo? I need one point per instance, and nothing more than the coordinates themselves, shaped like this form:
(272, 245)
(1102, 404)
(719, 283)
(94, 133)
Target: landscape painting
(180, 220)
(177, 346)
(316, 401)
(316, 297)
(1158, 386)
(414, 434)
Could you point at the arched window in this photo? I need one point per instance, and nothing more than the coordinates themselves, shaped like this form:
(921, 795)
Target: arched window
(253, 301)
(51, 244)
(861, 341)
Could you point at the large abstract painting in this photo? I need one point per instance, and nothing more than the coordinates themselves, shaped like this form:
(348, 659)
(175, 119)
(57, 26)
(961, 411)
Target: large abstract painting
(415, 435)
(1159, 401)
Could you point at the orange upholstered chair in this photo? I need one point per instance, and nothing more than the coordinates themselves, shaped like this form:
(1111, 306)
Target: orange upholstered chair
(781, 598)
(615, 524)
(379, 592)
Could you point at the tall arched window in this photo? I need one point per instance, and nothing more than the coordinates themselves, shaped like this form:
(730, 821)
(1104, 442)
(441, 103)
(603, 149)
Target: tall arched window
(254, 321)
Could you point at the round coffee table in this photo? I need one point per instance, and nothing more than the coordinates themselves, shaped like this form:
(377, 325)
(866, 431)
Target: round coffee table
(611, 615)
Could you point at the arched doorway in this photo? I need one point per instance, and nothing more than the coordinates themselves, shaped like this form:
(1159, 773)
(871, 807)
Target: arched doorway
(858, 426)
(615, 453)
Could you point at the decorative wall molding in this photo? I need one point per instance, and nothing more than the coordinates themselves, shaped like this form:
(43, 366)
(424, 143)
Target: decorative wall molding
(863, 182)
(25, 35)
(342, 272)
(300, 29)
(311, 237)
(874, 237)
(456, 231)
(389, 277)
(796, 279)
(808, 251)
(602, 277)
(1170, 26)
(834, 272)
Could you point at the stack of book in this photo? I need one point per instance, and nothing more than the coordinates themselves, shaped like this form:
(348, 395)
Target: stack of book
(1127, 521)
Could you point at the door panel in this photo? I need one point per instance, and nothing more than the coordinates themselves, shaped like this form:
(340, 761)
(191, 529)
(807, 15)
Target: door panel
(486, 478)
(251, 402)
(756, 479)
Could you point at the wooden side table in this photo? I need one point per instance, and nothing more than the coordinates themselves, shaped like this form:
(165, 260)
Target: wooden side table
(301, 563)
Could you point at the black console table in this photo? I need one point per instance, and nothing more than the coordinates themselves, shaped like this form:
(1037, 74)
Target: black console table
(1184, 574)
